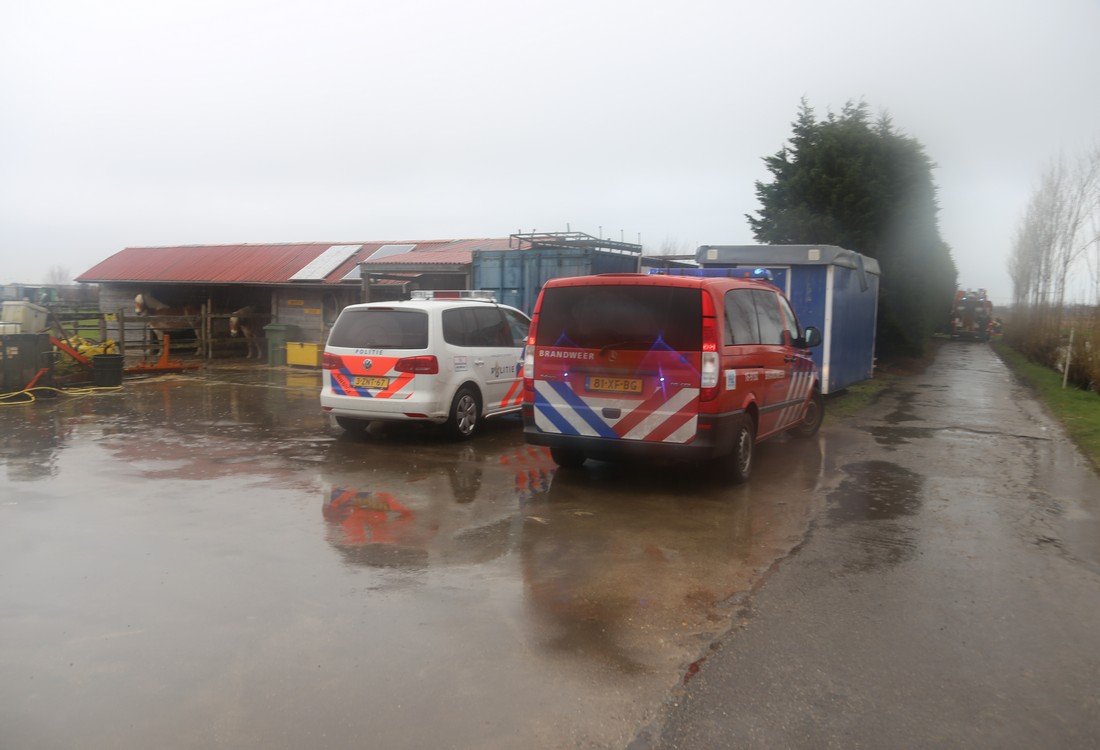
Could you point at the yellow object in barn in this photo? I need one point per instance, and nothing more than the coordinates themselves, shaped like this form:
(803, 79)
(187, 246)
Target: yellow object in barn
(301, 353)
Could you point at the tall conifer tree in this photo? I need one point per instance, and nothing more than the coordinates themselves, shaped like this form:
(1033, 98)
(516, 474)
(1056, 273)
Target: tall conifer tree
(866, 187)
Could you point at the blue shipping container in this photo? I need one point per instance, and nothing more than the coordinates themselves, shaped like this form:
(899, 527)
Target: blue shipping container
(833, 289)
(517, 276)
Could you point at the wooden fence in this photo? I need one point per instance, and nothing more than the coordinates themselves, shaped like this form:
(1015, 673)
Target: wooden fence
(209, 339)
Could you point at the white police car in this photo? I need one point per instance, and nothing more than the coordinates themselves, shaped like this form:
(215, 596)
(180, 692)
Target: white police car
(450, 358)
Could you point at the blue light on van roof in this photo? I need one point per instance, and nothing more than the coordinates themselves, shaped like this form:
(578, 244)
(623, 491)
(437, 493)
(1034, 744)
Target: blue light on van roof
(763, 274)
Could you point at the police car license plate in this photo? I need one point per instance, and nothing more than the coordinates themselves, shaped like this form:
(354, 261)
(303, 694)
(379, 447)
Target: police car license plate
(361, 382)
(615, 385)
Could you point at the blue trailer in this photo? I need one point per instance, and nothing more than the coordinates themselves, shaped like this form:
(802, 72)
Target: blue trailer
(517, 276)
(829, 287)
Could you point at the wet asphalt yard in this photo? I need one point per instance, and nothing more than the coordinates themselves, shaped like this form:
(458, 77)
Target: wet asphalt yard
(203, 561)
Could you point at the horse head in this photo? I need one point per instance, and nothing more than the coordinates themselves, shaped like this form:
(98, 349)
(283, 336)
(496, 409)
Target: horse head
(236, 321)
(146, 304)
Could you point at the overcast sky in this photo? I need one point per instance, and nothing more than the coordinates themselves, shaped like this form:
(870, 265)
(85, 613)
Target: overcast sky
(223, 121)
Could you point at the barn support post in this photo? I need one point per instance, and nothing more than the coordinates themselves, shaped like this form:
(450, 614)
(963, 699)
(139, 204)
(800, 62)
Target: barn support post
(103, 326)
(205, 329)
(121, 319)
(209, 328)
(1069, 355)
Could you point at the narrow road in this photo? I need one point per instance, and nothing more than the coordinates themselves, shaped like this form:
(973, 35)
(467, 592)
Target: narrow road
(947, 596)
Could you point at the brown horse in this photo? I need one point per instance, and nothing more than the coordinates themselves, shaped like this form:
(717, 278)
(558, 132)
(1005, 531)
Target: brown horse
(249, 325)
(163, 319)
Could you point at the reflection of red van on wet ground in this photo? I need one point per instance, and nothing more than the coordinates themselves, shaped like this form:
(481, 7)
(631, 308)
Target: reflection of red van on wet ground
(668, 366)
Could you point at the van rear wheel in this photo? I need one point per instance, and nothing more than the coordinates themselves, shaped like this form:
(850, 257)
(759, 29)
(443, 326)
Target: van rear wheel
(567, 458)
(737, 466)
(812, 419)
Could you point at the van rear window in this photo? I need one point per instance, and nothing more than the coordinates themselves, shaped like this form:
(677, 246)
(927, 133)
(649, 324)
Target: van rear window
(380, 329)
(622, 317)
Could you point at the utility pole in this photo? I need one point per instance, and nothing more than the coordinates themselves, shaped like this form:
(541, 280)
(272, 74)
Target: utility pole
(1069, 354)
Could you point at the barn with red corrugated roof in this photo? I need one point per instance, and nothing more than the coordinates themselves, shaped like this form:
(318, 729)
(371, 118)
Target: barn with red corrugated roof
(304, 285)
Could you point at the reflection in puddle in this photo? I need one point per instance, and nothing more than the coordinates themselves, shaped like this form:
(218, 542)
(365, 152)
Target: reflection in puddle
(612, 569)
(462, 516)
(610, 575)
(171, 429)
(622, 562)
(29, 448)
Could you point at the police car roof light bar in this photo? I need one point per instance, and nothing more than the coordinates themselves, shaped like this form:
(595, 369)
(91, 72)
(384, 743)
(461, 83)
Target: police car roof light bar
(454, 294)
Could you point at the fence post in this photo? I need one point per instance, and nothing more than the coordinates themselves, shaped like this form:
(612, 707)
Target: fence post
(204, 331)
(1069, 355)
(120, 318)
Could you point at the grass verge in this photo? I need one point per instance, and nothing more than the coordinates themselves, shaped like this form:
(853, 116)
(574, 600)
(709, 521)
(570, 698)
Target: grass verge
(1078, 410)
(852, 399)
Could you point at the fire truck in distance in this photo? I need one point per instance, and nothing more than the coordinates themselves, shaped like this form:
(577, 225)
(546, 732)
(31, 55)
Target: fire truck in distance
(971, 315)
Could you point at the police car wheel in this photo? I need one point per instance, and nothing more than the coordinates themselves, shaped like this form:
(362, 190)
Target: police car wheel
(353, 426)
(811, 421)
(567, 458)
(738, 464)
(465, 415)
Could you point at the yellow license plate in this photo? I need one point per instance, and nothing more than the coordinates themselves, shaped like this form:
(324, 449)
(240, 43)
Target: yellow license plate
(361, 382)
(615, 385)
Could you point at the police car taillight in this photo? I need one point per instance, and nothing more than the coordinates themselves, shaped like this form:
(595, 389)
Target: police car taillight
(708, 370)
(425, 364)
(330, 361)
(528, 364)
(529, 358)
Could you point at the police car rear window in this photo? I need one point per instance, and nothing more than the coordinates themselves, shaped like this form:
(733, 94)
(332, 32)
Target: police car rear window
(380, 329)
(623, 317)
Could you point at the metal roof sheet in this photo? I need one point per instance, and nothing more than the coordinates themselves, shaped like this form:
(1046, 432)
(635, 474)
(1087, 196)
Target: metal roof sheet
(268, 264)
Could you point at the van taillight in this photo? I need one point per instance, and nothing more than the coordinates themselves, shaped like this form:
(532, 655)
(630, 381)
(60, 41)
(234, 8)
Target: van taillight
(426, 364)
(330, 362)
(708, 370)
(529, 359)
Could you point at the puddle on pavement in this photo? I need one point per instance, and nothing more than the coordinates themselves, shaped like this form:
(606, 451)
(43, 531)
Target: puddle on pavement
(585, 576)
(891, 437)
(875, 491)
(904, 410)
(871, 504)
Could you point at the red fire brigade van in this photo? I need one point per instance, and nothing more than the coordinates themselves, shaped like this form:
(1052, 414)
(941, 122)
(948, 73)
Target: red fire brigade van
(691, 367)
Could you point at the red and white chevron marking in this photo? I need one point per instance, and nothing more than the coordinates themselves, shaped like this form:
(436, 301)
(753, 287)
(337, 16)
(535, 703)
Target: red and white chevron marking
(797, 390)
